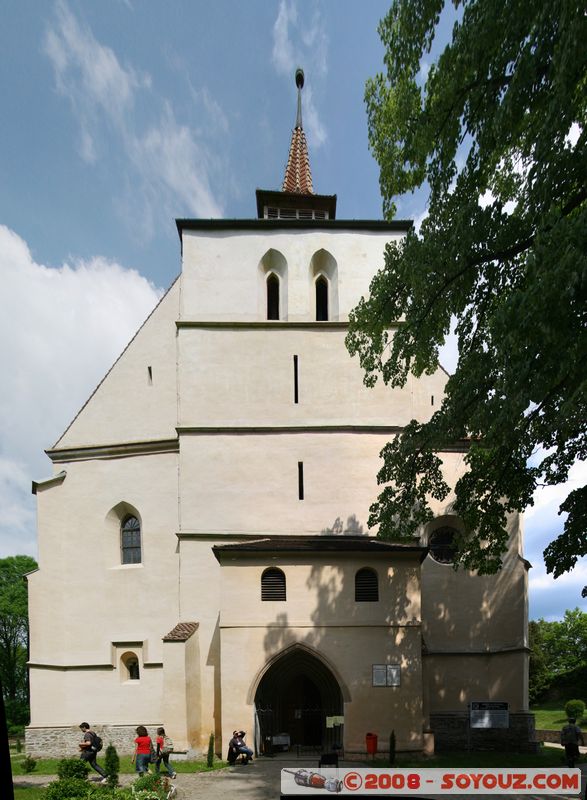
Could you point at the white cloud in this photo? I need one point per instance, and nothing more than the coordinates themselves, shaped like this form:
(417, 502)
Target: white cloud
(572, 136)
(61, 330)
(547, 499)
(168, 160)
(302, 43)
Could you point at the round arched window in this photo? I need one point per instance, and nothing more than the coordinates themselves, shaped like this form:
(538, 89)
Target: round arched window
(441, 544)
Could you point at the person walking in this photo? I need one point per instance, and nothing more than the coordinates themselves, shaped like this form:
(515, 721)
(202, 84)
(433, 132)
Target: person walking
(89, 747)
(164, 749)
(571, 735)
(143, 750)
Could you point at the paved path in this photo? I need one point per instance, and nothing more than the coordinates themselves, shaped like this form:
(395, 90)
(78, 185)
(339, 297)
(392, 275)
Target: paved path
(260, 780)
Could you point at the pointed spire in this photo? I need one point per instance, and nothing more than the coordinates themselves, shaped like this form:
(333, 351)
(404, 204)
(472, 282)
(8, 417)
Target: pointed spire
(298, 177)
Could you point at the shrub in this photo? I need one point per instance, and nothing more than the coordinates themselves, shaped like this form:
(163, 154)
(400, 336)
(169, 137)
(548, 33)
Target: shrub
(28, 764)
(392, 748)
(18, 745)
(574, 709)
(67, 789)
(112, 765)
(72, 768)
(210, 756)
(152, 785)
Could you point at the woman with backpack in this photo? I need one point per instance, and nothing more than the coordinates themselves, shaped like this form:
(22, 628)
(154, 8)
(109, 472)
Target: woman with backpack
(164, 750)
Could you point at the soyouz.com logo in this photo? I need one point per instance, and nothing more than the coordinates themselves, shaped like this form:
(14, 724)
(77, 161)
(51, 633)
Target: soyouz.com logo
(374, 782)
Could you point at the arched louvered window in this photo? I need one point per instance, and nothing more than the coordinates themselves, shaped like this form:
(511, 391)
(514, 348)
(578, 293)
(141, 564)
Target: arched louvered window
(321, 299)
(442, 545)
(272, 296)
(130, 540)
(273, 584)
(366, 586)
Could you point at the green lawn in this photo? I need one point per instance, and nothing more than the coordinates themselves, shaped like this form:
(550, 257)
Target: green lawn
(48, 766)
(32, 793)
(552, 717)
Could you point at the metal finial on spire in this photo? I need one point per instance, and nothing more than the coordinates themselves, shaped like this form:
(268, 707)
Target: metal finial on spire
(299, 84)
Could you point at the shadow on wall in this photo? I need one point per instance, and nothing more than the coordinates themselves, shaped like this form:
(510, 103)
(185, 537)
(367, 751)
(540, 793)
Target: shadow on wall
(337, 618)
(352, 528)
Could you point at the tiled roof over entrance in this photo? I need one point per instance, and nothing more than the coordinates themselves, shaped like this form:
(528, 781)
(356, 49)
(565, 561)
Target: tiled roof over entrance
(181, 632)
(322, 544)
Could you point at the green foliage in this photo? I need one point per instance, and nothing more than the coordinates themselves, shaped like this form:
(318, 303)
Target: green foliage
(210, 755)
(18, 745)
(67, 789)
(559, 654)
(112, 765)
(392, 748)
(540, 673)
(574, 709)
(28, 764)
(151, 786)
(72, 768)
(14, 633)
(492, 121)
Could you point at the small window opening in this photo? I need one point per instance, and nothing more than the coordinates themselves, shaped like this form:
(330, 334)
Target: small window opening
(131, 665)
(273, 584)
(301, 480)
(150, 374)
(130, 541)
(432, 400)
(442, 545)
(321, 299)
(272, 296)
(366, 586)
(295, 364)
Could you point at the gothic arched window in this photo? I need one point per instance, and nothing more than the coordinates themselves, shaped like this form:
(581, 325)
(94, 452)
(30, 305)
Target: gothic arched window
(273, 584)
(321, 299)
(272, 296)
(366, 586)
(130, 540)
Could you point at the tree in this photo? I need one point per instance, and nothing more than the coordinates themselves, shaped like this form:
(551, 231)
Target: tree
(14, 631)
(497, 135)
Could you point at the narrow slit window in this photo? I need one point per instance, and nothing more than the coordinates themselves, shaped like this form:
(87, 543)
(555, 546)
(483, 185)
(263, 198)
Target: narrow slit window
(130, 541)
(296, 385)
(301, 480)
(150, 375)
(272, 296)
(432, 400)
(321, 299)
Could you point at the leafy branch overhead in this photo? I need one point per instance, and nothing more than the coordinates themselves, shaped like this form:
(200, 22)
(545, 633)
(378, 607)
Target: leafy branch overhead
(497, 136)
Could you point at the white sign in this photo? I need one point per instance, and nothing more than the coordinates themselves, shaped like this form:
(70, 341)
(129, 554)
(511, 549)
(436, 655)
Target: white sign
(489, 714)
(386, 674)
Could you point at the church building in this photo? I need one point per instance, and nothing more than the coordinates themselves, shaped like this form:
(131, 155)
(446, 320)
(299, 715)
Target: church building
(204, 557)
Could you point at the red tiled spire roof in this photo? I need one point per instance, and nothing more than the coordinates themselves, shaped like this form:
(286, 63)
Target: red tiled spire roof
(298, 176)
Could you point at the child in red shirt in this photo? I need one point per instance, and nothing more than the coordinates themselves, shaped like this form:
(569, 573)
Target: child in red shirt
(143, 749)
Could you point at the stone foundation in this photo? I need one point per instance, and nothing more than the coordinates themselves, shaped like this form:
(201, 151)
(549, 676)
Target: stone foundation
(63, 742)
(452, 732)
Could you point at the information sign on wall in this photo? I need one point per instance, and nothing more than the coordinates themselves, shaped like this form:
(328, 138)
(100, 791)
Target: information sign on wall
(489, 714)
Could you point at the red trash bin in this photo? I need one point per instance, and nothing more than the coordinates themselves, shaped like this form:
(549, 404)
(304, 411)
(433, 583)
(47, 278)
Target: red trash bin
(371, 742)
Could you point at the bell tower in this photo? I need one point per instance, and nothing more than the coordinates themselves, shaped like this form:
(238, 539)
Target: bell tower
(297, 199)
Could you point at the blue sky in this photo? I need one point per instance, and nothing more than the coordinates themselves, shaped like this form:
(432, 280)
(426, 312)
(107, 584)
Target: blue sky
(117, 118)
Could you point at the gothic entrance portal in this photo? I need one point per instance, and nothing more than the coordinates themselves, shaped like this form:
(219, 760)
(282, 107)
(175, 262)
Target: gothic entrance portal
(293, 702)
